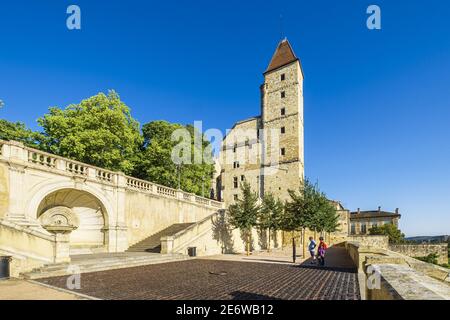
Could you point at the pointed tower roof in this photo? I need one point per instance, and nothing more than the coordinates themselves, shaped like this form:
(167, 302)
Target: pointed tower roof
(283, 55)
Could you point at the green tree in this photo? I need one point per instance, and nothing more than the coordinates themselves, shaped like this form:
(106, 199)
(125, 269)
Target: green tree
(326, 218)
(390, 230)
(270, 215)
(156, 163)
(309, 208)
(19, 132)
(243, 214)
(99, 130)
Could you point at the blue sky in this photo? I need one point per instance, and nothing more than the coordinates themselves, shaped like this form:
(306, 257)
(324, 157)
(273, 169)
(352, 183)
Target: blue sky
(377, 103)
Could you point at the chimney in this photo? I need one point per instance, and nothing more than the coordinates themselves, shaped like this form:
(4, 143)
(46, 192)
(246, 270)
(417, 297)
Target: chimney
(379, 209)
(396, 211)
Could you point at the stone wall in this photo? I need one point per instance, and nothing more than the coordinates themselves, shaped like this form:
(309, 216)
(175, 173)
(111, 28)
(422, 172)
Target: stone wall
(380, 242)
(388, 275)
(4, 190)
(147, 214)
(246, 154)
(271, 171)
(423, 250)
(212, 236)
(283, 172)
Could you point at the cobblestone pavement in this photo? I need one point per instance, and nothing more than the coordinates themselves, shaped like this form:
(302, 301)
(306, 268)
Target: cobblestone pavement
(203, 279)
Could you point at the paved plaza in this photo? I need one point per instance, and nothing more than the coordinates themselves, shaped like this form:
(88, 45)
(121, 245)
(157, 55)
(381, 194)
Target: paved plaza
(239, 278)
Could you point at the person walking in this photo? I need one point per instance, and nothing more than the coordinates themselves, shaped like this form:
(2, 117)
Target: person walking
(311, 248)
(321, 251)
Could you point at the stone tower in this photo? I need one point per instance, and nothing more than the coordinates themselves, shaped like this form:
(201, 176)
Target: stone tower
(278, 165)
(282, 121)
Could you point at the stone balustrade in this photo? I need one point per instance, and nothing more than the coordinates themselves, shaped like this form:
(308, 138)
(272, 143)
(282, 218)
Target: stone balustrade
(16, 152)
(387, 275)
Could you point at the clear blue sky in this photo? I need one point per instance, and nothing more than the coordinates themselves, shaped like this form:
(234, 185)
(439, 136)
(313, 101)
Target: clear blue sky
(377, 103)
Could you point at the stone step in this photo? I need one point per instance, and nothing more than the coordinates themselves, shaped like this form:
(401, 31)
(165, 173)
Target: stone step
(153, 242)
(94, 265)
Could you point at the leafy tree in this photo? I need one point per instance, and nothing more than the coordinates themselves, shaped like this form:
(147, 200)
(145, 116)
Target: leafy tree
(270, 214)
(99, 130)
(390, 230)
(156, 164)
(309, 208)
(19, 132)
(243, 214)
(326, 218)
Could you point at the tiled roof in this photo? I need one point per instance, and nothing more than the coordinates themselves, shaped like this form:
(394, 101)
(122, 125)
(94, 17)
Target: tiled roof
(283, 55)
(373, 214)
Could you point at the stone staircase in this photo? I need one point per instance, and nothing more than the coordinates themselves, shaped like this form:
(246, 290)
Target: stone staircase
(101, 262)
(153, 243)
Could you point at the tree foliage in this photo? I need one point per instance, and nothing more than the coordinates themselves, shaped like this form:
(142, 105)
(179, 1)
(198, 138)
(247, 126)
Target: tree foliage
(156, 164)
(309, 208)
(243, 214)
(270, 215)
(271, 212)
(390, 230)
(17, 131)
(99, 130)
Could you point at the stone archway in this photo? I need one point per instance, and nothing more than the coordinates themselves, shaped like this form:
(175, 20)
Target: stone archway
(88, 233)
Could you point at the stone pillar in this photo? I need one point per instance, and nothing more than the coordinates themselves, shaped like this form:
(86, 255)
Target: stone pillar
(17, 157)
(167, 245)
(62, 248)
(61, 164)
(117, 230)
(116, 238)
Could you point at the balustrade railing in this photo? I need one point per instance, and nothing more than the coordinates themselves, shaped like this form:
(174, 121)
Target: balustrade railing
(41, 158)
(139, 184)
(166, 191)
(76, 168)
(201, 200)
(104, 175)
(187, 196)
(216, 204)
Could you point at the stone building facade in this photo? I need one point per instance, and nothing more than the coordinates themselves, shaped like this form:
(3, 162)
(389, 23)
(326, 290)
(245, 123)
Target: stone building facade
(362, 221)
(267, 151)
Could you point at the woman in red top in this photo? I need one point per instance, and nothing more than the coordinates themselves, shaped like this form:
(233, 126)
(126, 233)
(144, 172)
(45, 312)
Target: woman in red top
(321, 252)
